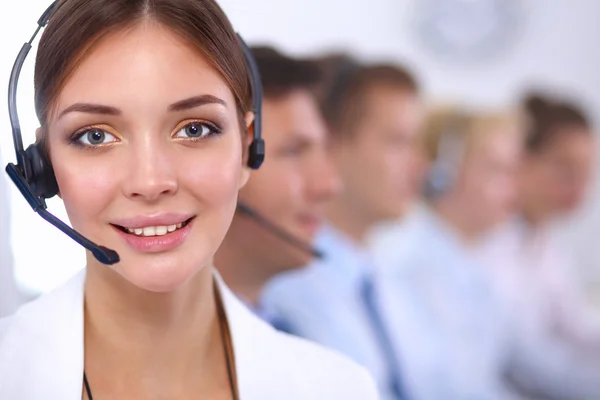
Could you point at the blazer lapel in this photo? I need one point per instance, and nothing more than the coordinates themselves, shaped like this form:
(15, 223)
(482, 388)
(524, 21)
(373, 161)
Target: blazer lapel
(248, 335)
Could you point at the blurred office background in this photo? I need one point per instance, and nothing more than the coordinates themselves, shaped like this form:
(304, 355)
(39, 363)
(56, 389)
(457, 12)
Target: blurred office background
(471, 52)
(464, 52)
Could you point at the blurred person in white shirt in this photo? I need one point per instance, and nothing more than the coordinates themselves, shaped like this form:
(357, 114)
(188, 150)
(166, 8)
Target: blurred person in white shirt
(530, 267)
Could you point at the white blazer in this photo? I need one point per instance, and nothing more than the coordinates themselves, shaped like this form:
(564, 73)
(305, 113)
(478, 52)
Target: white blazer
(41, 355)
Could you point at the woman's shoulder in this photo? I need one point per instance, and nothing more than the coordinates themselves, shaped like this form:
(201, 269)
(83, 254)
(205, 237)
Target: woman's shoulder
(40, 317)
(295, 368)
(48, 330)
(323, 373)
(272, 364)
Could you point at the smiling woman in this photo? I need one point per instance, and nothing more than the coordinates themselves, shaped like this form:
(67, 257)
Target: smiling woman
(144, 109)
(132, 149)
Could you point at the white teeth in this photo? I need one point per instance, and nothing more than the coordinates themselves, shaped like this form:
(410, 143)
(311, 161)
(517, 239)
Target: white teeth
(154, 230)
(149, 231)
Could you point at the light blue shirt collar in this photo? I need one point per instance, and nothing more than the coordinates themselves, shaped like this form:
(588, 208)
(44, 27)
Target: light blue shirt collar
(348, 260)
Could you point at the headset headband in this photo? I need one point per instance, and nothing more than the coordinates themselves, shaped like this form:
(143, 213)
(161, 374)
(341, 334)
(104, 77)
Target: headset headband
(257, 147)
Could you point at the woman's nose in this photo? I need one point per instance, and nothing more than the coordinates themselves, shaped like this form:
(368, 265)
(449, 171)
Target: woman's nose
(152, 172)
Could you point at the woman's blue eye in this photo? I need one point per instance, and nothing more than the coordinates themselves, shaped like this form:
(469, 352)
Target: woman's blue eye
(95, 137)
(196, 130)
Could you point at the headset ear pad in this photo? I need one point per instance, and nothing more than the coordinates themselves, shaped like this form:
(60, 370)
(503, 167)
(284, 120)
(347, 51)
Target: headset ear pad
(256, 154)
(439, 181)
(43, 181)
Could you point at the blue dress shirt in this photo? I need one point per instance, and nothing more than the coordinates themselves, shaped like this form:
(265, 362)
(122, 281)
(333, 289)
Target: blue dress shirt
(327, 302)
(448, 325)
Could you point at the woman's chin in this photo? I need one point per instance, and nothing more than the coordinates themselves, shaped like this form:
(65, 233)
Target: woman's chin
(159, 276)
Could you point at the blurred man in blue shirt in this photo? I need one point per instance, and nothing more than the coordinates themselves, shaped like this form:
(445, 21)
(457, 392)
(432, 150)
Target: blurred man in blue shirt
(282, 206)
(374, 115)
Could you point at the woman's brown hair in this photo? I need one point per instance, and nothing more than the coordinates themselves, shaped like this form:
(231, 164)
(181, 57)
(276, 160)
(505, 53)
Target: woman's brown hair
(77, 25)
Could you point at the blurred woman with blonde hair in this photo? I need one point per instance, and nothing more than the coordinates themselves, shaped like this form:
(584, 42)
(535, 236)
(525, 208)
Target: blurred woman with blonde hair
(446, 321)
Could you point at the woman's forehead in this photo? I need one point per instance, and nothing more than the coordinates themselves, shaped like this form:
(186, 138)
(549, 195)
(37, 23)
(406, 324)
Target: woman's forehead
(142, 66)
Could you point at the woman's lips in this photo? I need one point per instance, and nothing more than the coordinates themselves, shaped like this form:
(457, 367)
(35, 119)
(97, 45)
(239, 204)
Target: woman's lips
(157, 241)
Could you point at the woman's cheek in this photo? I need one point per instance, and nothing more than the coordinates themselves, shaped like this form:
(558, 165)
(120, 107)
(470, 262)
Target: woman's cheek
(86, 189)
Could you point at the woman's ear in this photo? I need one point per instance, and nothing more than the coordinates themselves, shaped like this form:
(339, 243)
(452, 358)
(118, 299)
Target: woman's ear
(38, 134)
(244, 176)
(249, 119)
(245, 172)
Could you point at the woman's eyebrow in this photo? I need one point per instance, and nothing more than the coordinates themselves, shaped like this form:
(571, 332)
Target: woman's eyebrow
(181, 105)
(196, 101)
(90, 109)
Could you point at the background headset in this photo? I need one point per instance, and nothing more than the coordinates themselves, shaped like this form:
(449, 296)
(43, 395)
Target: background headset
(450, 152)
(34, 176)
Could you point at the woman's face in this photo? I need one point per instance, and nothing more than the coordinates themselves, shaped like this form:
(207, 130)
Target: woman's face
(488, 177)
(145, 143)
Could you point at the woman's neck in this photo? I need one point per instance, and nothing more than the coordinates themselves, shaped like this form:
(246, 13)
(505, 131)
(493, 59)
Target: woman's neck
(139, 342)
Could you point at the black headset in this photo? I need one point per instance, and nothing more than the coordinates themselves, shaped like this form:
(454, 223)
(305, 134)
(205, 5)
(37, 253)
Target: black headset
(34, 176)
(450, 152)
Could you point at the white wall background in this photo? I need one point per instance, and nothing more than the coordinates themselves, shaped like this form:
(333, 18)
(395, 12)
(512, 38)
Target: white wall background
(557, 45)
